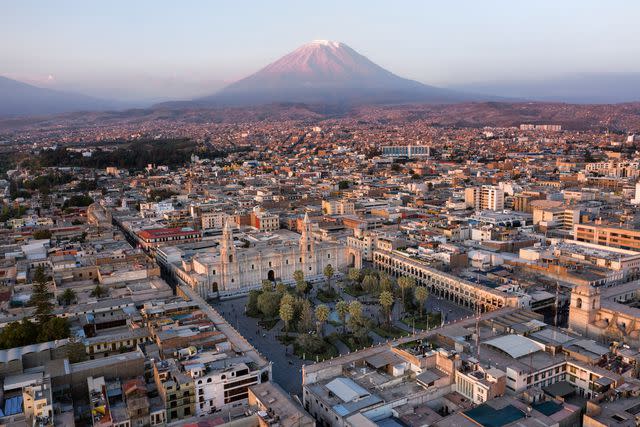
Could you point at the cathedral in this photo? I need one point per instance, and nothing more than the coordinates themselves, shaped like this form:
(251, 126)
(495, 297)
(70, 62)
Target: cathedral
(607, 314)
(232, 270)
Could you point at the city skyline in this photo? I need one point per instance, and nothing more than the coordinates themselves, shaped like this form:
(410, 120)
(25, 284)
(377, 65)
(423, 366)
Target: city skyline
(156, 51)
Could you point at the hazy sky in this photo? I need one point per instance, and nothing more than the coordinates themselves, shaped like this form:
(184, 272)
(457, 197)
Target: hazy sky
(157, 49)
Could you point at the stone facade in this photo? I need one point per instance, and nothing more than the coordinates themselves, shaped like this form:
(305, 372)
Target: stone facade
(236, 270)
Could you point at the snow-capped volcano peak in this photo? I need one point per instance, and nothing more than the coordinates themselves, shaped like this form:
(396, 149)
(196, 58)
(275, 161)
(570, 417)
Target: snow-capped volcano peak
(327, 43)
(326, 71)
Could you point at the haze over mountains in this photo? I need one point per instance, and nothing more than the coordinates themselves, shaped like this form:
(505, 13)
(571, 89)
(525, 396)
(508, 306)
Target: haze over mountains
(22, 99)
(332, 73)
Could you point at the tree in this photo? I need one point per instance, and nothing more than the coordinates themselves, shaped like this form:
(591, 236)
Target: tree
(281, 288)
(406, 282)
(342, 308)
(42, 234)
(421, 293)
(99, 292)
(286, 314)
(305, 324)
(355, 310)
(267, 285)
(301, 285)
(328, 272)
(370, 283)
(76, 352)
(39, 275)
(41, 297)
(354, 275)
(298, 276)
(386, 284)
(386, 301)
(252, 303)
(322, 314)
(56, 328)
(68, 296)
(268, 303)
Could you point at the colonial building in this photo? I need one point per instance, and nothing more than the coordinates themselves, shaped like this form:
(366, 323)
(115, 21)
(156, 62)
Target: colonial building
(606, 314)
(230, 270)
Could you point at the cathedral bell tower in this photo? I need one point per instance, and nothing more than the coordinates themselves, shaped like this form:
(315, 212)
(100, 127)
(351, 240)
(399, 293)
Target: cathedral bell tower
(228, 257)
(585, 304)
(307, 243)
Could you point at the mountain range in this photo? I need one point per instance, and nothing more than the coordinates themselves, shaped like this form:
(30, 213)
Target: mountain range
(22, 99)
(333, 74)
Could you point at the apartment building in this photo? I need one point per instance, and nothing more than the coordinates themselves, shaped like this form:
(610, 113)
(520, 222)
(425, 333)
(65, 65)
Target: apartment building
(175, 388)
(486, 197)
(338, 207)
(556, 217)
(617, 237)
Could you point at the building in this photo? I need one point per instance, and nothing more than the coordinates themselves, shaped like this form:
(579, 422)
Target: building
(338, 207)
(605, 313)
(264, 221)
(486, 197)
(155, 237)
(522, 201)
(442, 284)
(213, 220)
(231, 270)
(480, 384)
(617, 237)
(556, 217)
(175, 388)
(222, 383)
(274, 407)
(406, 151)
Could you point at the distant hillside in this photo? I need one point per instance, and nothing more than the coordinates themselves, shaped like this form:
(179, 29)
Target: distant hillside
(615, 117)
(582, 88)
(21, 99)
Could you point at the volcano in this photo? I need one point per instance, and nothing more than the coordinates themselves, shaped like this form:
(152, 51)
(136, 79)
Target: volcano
(325, 71)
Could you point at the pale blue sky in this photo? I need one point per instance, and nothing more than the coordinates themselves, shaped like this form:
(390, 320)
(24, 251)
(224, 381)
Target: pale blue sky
(158, 49)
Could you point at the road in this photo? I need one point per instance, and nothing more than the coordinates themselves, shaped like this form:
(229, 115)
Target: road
(286, 368)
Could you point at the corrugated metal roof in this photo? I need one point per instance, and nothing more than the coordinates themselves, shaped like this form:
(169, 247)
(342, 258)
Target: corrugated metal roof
(515, 346)
(346, 389)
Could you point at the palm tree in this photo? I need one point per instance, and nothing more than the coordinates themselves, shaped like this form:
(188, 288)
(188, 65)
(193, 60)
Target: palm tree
(355, 310)
(281, 288)
(322, 314)
(386, 301)
(328, 272)
(301, 286)
(342, 308)
(386, 284)
(406, 282)
(421, 293)
(286, 314)
(370, 283)
(68, 296)
(354, 274)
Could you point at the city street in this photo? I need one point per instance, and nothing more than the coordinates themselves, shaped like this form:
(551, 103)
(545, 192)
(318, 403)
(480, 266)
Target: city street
(287, 368)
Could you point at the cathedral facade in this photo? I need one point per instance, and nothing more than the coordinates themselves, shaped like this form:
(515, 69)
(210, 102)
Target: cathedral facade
(235, 270)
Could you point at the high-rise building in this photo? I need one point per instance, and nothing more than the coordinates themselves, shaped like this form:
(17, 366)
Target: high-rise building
(487, 197)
